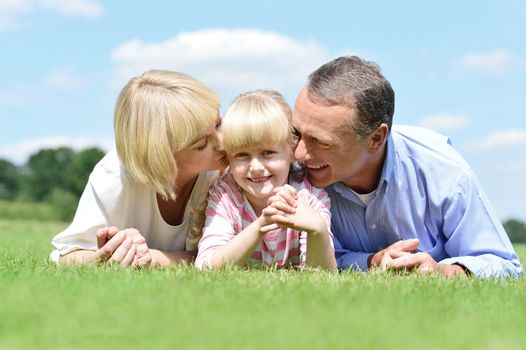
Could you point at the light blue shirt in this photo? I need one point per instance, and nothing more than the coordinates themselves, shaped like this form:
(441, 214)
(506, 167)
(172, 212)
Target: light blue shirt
(426, 191)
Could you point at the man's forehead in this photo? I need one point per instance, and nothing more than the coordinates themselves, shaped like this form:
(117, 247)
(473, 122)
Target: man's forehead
(324, 117)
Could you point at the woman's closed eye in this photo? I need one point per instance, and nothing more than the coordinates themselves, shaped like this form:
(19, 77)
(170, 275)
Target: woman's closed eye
(204, 145)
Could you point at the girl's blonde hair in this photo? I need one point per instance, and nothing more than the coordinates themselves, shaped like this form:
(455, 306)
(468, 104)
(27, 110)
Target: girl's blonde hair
(156, 115)
(257, 118)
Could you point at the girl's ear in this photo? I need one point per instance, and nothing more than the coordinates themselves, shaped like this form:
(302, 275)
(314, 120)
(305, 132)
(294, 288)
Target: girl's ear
(378, 138)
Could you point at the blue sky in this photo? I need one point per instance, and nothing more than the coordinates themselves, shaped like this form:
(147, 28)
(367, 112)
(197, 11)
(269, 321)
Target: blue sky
(458, 67)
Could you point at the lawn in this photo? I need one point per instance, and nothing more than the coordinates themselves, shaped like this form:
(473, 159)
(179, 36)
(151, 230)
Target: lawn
(48, 307)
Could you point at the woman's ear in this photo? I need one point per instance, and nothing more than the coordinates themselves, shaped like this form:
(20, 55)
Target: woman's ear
(378, 138)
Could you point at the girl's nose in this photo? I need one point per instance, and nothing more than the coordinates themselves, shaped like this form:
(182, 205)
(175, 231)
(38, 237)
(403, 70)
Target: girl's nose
(255, 164)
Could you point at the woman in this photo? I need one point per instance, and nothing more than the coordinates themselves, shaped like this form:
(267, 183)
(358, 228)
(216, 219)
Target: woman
(140, 205)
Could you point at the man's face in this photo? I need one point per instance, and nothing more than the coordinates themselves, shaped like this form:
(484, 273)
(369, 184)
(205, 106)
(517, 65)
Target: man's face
(330, 154)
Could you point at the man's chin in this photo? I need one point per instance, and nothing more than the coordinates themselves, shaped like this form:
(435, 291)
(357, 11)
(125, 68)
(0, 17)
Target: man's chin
(317, 182)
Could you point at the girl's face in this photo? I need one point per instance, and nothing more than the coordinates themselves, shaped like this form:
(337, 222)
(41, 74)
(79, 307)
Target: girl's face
(204, 154)
(259, 170)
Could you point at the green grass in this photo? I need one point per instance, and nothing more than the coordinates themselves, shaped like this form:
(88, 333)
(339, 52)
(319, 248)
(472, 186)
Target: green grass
(43, 306)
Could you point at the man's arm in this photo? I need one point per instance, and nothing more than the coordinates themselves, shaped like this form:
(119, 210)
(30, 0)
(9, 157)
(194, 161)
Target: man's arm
(475, 237)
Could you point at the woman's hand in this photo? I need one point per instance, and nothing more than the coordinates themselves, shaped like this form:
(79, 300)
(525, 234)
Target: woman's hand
(125, 247)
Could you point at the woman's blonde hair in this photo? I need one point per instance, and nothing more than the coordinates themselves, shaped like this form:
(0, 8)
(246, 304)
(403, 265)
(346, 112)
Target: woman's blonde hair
(156, 115)
(257, 118)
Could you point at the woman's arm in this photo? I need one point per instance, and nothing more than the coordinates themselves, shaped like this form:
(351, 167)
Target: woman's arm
(162, 259)
(118, 244)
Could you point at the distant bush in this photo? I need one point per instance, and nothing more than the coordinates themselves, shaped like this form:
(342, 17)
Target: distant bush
(64, 203)
(516, 230)
(29, 210)
(48, 186)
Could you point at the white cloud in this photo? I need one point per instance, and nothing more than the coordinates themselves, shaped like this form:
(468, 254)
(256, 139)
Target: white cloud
(502, 139)
(19, 153)
(496, 62)
(41, 92)
(12, 12)
(233, 60)
(64, 78)
(445, 122)
(82, 8)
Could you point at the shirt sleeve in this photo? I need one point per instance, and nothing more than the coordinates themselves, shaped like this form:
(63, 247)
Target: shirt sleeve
(219, 225)
(346, 258)
(100, 197)
(80, 234)
(475, 238)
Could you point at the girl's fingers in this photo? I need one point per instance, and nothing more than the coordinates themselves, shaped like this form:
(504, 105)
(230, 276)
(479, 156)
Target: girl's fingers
(269, 228)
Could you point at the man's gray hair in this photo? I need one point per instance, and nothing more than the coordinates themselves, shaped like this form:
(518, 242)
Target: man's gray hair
(357, 84)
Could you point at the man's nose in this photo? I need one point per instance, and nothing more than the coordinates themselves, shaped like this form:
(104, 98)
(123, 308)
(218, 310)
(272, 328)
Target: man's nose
(300, 153)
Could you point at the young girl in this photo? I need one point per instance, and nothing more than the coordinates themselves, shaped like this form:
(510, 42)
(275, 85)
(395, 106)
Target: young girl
(241, 226)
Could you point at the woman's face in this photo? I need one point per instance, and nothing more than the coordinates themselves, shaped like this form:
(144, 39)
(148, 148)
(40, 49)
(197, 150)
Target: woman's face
(204, 154)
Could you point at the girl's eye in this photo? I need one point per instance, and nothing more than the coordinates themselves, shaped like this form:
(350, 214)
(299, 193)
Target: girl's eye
(241, 155)
(267, 152)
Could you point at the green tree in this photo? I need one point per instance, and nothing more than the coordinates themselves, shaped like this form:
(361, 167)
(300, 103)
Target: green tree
(516, 230)
(48, 169)
(9, 180)
(83, 164)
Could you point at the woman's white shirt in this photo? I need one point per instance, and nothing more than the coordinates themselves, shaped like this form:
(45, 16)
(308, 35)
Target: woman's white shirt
(112, 198)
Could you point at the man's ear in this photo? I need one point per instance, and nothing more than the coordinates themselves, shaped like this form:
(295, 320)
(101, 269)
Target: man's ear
(378, 138)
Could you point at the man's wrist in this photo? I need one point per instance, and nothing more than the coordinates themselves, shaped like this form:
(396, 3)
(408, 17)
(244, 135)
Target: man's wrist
(453, 270)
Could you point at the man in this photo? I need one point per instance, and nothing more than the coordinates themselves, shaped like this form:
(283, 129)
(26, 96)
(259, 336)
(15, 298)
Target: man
(401, 198)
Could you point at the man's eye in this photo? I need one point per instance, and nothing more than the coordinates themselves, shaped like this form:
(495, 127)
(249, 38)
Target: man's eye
(296, 133)
(323, 145)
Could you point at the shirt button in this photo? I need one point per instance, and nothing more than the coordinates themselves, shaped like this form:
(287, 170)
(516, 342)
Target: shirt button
(373, 226)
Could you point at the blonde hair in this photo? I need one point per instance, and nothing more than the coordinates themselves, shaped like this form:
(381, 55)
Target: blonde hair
(257, 118)
(156, 115)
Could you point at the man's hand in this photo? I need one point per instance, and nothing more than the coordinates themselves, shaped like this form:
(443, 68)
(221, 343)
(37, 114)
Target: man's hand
(423, 263)
(382, 259)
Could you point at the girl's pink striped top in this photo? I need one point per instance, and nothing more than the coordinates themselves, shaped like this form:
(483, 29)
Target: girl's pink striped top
(229, 212)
